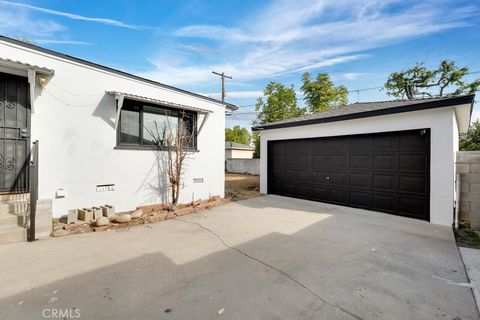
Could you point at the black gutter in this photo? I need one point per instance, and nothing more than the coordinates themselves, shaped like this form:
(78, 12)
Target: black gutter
(380, 112)
(108, 69)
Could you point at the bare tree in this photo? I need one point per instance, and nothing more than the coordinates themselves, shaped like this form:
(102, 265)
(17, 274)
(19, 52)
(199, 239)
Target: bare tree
(177, 142)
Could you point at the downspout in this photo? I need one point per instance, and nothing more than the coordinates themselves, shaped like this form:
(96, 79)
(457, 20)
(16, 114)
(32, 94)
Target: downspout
(457, 199)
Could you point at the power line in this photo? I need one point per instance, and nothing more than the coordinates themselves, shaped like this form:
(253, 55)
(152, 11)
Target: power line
(353, 91)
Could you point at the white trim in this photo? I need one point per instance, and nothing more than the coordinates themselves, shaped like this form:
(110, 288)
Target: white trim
(31, 75)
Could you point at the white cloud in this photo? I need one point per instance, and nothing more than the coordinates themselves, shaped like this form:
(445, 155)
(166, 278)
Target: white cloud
(57, 41)
(235, 94)
(72, 16)
(288, 37)
(20, 24)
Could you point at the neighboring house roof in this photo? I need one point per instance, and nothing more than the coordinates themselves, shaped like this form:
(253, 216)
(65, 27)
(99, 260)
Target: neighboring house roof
(158, 101)
(112, 70)
(370, 109)
(229, 145)
(25, 66)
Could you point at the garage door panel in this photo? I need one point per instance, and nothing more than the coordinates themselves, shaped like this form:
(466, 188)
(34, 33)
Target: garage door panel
(339, 179)
(412, 141)
(387, 172)
(413, 162)
(385, 182)
(415, 207)
(361, 199)
(361, 161)
(339, 161)
(339, 145)
(320, 193)
(385, 162)
(320, 162)
(339, 196)
(296, 161)
(385, 202)
(360, 144)
(385, 142)
(361, 180)
(297, 176)
(413, 184)
(321, 146)
(320, 177)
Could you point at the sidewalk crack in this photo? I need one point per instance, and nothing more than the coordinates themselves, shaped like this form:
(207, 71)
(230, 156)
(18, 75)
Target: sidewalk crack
(285, 274)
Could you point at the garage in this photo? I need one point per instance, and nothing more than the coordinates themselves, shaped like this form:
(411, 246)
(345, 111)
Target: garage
(395, 157)
(386, 172)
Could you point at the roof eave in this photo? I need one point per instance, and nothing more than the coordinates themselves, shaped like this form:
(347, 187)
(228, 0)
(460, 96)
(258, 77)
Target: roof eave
(30, 46)
(451, 102)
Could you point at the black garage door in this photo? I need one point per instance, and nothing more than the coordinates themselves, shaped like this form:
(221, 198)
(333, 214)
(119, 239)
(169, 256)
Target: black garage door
(388, 172)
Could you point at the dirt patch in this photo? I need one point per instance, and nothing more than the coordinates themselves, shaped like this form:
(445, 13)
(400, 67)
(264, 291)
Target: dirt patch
(149, 214)
(241, 186)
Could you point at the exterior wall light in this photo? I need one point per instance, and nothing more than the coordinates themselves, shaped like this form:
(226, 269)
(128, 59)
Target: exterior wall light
(42, 81)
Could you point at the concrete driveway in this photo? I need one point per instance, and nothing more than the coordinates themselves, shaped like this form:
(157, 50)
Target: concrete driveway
(264, 258)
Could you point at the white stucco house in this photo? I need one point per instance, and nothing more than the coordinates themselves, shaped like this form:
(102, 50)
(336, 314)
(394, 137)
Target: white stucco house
(396, 157)
(91, 123)
(235, 150)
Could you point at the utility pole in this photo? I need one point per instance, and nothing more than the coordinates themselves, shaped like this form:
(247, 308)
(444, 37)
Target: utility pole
(223, 75)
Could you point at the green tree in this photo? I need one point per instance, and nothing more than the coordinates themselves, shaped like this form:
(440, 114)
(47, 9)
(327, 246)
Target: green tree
(321, 94)
(471, 140)
(278, 103)
(419, 81)
(238, 134)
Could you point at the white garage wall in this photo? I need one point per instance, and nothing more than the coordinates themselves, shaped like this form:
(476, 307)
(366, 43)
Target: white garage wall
(444, 143)
(74, 122)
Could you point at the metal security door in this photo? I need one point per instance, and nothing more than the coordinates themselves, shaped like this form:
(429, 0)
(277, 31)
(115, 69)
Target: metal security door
(14, 133)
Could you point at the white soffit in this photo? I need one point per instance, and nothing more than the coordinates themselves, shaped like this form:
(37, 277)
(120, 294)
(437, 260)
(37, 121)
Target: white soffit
(463, 114)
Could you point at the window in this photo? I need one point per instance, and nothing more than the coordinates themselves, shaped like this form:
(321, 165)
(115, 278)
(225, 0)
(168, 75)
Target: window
(143, 125)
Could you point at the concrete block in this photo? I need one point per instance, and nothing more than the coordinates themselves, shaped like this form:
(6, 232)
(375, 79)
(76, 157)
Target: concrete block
(72, 216)
(474, 187)
(463, 167)
(464, 187)
(475, 208)
(468, 156)
(108, 211)
(85, 214)
(97, 212)
(470, 177)
(464, 206)
(44, 204)
(470, 196)
(475, 168)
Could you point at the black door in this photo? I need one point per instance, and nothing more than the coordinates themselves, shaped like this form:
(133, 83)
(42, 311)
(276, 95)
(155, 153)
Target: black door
(388, 172)
(14, 133)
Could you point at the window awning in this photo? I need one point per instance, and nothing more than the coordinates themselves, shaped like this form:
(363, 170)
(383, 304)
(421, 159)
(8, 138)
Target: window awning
(121, 96)
(25, 70)
(22, 66)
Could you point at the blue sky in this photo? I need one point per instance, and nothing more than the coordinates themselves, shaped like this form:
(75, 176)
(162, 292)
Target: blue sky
(180, 42)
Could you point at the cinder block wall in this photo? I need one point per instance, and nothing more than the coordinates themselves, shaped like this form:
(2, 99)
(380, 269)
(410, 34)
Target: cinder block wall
(468, 166)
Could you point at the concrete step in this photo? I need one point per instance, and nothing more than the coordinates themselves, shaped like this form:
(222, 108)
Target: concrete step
(9, 234)
(12, 220)
(19, 206)
(14, 197)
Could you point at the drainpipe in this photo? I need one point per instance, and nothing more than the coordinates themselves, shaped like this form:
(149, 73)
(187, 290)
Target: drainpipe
(457, 199)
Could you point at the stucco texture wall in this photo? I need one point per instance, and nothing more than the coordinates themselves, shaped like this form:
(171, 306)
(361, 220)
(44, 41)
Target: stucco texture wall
(74, 120)
(443, 147)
